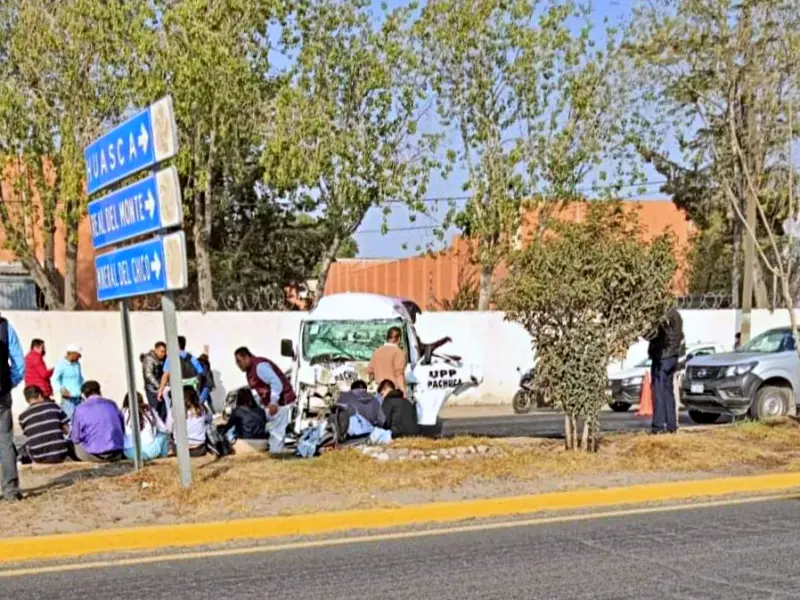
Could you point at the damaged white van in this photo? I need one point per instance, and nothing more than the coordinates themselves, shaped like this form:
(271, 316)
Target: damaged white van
(337, 339)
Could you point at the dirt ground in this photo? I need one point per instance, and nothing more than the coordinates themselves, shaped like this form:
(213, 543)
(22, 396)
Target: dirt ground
(79, 497)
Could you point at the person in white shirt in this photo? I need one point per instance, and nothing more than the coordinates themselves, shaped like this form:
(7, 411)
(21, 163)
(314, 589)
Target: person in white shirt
(198, 418)
(153, 432)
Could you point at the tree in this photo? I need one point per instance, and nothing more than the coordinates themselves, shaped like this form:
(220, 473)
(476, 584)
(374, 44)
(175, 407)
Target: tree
(66, 72)
(213, 58)
(720, 80)
(585, 293)
(536, 108)
(343, 137)
(260, 246)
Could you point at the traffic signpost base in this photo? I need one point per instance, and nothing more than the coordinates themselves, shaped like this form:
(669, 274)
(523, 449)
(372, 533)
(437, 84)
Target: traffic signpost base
(176, 389)
(133, 401)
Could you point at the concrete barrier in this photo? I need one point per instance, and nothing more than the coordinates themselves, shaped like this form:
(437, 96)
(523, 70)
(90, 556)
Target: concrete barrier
(479, 337)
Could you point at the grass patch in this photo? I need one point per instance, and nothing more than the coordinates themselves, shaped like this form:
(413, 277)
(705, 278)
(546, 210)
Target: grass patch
(83, 497)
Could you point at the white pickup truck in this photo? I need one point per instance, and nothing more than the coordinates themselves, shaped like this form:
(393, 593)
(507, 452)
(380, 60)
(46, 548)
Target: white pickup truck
(337, 339)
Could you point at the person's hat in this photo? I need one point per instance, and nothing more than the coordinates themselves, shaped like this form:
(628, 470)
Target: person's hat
(74, 348)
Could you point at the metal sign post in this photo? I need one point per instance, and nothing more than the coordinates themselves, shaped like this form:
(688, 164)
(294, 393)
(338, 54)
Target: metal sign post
(133, 401)
(156, 265)
(176, 389)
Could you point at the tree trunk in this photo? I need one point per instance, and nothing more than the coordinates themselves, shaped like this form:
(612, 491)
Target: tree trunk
(45, 282)
(760, 285)
(736, 264)
(325, 265)
(568, 433)
(585, 436)
(485, 295)
(203, 215)
(71, 300)
(50, 252)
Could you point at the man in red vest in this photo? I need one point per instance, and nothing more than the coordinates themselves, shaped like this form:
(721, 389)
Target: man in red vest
(273, 388)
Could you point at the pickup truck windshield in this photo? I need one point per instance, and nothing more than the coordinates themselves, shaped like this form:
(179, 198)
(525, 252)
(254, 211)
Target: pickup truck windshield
(332, 341)
(775, 340)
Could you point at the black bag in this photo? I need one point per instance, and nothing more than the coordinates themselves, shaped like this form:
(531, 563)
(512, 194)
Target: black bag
(217, 444)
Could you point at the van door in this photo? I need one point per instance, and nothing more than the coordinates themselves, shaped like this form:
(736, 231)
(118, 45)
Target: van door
(436, 382)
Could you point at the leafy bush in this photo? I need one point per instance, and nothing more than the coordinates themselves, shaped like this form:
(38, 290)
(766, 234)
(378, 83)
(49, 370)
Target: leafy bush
(585, 293)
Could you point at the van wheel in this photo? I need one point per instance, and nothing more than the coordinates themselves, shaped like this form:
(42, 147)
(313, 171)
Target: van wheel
(620, 407)
(703, 418)
(771, 401)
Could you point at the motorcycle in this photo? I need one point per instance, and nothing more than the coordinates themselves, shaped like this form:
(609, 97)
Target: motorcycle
(526, 396)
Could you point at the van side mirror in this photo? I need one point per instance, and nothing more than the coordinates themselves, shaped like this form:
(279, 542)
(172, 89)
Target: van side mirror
(287, 349)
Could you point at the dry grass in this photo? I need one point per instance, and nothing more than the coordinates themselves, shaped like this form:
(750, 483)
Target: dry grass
(85, 498)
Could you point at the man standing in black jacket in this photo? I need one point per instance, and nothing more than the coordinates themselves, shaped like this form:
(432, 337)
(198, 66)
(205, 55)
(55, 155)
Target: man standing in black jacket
(666, 347)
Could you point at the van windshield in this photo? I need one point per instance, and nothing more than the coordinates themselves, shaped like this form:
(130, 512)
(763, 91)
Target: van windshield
(332, 341)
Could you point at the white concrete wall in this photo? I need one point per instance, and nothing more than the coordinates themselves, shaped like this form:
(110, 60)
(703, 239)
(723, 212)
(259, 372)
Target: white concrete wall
(482, 338)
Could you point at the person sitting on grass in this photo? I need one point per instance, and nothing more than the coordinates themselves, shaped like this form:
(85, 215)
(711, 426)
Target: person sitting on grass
(45, 427)
(153, 432)
(401, 416)
(198, 419)
(98, 429)
(384, 388)
(246, 428)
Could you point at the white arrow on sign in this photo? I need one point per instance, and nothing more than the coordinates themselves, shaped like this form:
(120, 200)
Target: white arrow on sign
(144, 139)
(155, 265)
(150, 204)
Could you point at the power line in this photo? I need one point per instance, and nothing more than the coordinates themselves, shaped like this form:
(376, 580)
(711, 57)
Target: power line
(589, 188)
(400, 229)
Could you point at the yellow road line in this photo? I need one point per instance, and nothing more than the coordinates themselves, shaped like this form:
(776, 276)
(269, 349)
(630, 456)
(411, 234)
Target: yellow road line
(201, 534)
(385, 537)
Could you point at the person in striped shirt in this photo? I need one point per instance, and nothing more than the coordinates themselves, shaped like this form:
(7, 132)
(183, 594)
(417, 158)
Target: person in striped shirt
(45, 426)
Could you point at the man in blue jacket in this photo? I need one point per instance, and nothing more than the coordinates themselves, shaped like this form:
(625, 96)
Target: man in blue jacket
(12, 372)
(193, 374)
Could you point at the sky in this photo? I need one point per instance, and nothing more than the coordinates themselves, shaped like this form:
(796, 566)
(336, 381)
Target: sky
(406, 237)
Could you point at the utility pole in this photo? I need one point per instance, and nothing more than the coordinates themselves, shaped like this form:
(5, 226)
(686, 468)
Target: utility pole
(747, 192)
(749, 260)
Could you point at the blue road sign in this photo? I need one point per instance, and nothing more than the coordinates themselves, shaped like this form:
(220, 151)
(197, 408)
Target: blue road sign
(140, 142)
(154, 266)
(143, 207)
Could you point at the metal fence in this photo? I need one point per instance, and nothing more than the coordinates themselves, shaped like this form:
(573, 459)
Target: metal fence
(712, 301)
(17, 293)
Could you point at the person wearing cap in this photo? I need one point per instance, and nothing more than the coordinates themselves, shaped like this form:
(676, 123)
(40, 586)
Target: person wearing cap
(68, 379)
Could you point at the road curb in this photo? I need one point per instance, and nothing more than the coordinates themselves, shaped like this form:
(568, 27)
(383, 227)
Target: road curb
(200, 534)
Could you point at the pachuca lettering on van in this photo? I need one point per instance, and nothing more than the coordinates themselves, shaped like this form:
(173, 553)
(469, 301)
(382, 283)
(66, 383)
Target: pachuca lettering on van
(444, 378)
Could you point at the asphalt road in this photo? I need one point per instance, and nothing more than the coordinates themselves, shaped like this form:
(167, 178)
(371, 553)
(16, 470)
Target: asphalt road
(740, 552)
(545, 423)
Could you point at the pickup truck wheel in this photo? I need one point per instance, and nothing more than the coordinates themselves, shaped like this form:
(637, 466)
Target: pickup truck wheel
(620, 407)
(703, 418)
(771, 401)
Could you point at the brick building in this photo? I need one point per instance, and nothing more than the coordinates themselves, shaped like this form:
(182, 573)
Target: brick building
(433, 278)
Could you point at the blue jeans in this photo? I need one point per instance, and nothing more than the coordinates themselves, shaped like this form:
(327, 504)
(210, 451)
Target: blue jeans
(68, 405)
(159, 448)
(276, 428)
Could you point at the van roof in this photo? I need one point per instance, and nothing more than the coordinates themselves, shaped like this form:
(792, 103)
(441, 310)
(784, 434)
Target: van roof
(356, 306)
